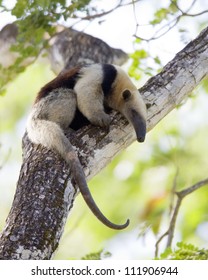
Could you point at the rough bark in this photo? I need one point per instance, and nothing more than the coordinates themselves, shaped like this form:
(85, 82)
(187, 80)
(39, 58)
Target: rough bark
(72, 47)
(67, 49)
(45, 190)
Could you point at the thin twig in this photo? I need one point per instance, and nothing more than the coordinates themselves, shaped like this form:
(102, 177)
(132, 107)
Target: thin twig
(191, 189)
(90, 17)
(173, 222)
(171, 24)
(119, 5)
(173, 191)
(158, 242)
(181, 195)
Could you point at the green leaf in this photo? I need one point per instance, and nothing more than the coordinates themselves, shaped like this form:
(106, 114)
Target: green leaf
(159, 15)
(165, 255)
(93, 256)
(96, 256)
(20, 8)
(173, 6)
(185, 252)
(139, 54)
(157, 60)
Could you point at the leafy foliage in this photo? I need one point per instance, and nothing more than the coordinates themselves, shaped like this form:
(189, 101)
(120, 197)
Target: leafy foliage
(185, 252)
(93, 256)
(97, 256)
(167, 17)
(142, 62)
(164, 13)
(36, 21)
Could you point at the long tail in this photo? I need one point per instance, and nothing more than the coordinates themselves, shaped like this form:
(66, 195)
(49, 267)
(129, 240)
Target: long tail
(50, 135)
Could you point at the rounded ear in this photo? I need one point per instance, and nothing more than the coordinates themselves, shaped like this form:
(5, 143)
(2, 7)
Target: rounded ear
(126, 95)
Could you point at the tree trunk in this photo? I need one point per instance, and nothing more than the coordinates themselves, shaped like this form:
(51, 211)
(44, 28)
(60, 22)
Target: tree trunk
(45, 190)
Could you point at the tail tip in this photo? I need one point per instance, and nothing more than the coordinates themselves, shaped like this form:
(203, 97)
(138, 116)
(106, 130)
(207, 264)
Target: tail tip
(123, 226)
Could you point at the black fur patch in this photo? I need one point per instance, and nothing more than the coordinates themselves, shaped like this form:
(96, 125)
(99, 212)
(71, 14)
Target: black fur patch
(79, 121)
(109, 76)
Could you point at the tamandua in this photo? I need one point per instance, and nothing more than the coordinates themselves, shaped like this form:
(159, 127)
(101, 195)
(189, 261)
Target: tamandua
(77, 97)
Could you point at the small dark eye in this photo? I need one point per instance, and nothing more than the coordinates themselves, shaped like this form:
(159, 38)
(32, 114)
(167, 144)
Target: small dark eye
(126, 95)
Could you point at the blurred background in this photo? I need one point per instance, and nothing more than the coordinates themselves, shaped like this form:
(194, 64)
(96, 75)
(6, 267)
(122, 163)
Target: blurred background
(138, 183)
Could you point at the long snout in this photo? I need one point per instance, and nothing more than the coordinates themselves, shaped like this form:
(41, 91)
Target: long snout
(139, 124)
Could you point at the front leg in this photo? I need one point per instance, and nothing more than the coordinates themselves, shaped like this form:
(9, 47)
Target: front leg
(94, 111)
(90, 98)
(100, 118)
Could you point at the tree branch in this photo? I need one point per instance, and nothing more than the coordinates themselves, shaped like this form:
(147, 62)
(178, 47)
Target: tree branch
(164, 29)
(45, 189)
(181, 195)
